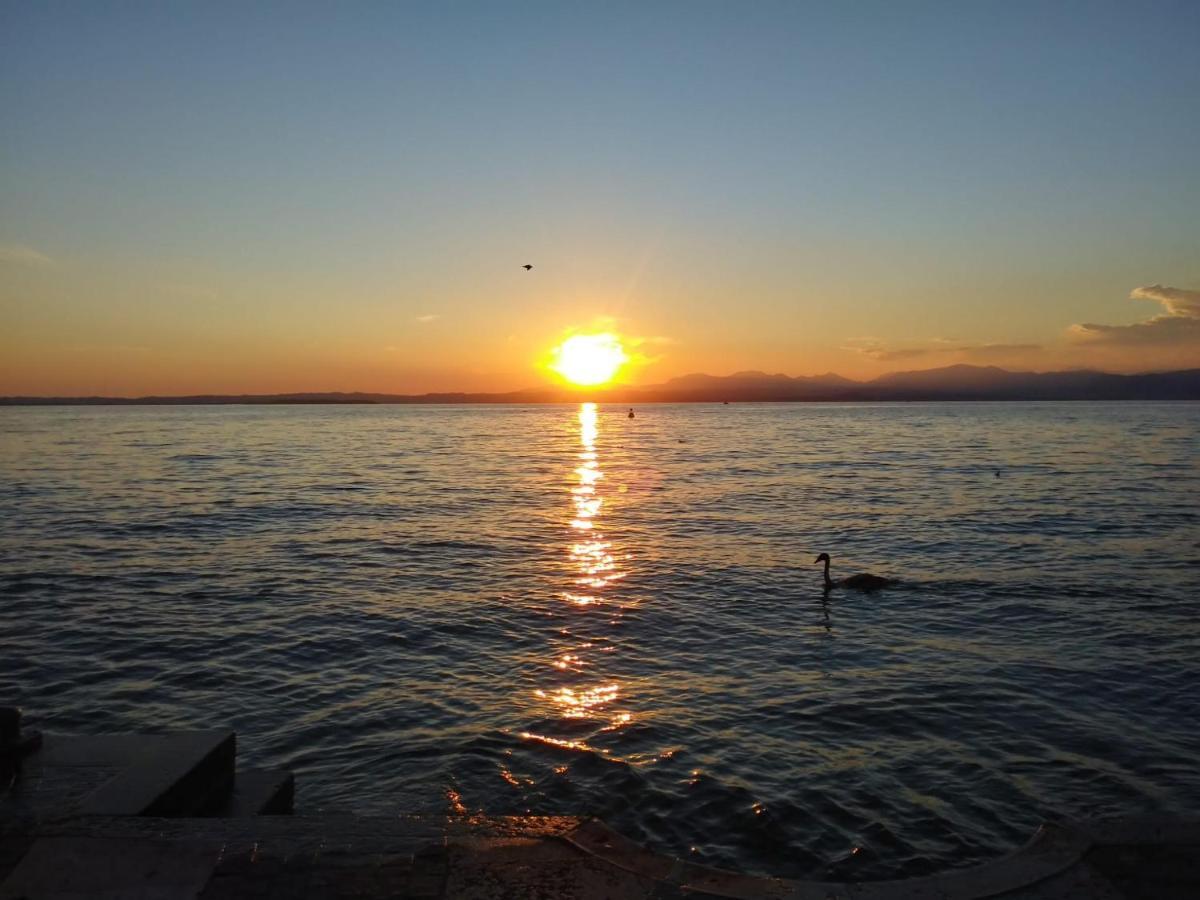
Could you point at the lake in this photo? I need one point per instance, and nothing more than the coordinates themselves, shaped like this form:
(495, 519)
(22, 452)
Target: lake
(562, 610)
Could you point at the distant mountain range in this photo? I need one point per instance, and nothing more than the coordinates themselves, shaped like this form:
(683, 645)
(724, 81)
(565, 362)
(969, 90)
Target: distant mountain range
(950, 383)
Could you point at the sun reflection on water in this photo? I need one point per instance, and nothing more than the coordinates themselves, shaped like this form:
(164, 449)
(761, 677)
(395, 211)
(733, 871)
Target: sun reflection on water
(580, 704)
(593, 556)
(596, 568)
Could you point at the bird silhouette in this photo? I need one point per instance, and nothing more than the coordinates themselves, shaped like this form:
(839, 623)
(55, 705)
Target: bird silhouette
(527, 267)
(854, 582)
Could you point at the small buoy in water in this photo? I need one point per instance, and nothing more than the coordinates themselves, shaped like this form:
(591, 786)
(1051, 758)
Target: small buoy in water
(631, 412)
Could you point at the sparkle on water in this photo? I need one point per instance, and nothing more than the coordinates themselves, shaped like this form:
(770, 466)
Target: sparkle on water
(560, 610)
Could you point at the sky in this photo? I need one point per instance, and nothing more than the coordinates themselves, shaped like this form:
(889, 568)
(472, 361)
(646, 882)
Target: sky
(228, 197)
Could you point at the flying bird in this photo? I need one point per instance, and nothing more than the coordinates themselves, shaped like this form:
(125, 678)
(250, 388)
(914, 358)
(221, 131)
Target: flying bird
(527, 267)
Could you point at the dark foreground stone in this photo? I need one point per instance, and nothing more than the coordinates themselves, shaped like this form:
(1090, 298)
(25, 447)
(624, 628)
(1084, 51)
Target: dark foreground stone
(529, 857)
(166, 817)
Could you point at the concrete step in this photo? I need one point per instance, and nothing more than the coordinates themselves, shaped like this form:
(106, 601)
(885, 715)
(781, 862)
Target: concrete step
(259, 792)
(173, 774)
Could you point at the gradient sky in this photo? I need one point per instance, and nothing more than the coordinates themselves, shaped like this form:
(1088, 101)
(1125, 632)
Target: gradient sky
(240, 197)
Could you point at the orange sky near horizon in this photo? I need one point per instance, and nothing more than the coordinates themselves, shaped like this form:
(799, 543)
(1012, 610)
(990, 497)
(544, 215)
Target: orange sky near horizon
(138, 353)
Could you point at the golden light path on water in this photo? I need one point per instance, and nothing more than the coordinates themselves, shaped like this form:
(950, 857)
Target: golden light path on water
(596, 568)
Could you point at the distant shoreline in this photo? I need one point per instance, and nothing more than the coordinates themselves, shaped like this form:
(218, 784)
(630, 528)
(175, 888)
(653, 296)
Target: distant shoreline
(616, 401)
(952, 383)
(14, 402)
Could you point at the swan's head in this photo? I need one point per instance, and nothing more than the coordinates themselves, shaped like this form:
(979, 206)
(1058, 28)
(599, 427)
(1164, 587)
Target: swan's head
(824, 557)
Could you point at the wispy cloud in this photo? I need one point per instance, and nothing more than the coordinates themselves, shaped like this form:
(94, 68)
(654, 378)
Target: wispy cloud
(882, 351)
(427, 318)
(645, 351)
(995, 351)
(640, 350)
(23, 255)
(1177, 301)
(1179, 324)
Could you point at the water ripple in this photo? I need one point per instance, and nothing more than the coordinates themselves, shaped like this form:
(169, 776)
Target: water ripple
(558, 611)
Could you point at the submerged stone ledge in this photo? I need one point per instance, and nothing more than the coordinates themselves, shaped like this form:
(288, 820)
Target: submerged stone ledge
(151, 816)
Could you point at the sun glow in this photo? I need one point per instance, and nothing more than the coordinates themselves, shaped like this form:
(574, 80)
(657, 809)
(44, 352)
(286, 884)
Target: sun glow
(589, 359)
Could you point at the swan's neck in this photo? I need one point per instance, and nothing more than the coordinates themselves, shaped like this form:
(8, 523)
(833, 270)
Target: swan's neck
(828, 580)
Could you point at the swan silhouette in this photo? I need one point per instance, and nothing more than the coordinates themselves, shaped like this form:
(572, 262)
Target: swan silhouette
(862, 582)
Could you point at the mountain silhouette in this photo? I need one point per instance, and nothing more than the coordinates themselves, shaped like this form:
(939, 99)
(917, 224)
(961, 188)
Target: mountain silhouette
(959, 382)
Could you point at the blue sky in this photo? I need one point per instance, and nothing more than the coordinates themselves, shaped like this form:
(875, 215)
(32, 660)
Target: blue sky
(259, 194)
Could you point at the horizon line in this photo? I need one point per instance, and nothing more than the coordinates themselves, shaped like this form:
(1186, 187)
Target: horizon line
(569, 393)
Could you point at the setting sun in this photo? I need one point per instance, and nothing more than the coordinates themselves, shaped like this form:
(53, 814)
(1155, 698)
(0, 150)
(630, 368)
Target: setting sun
(589, 359)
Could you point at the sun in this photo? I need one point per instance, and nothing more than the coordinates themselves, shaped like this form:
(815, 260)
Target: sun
(589, 359)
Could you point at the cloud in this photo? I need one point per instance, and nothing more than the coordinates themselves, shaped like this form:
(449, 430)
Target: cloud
(23, 255)
(427, 318)
(646, 350)
(640, 350)
(879, 350)
(1180, 324)
(883, 352)
(992, 351)
(1177, 301)
(1159, 330)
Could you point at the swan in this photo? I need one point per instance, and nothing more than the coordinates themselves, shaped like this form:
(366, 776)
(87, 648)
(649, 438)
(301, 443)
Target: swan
(856, 582)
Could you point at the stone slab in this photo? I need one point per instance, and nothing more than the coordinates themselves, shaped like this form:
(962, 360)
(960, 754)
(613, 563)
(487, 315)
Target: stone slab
(536, 869)
(174, 774)
(66, 868)
(481, 858)
(1161, 871)
(167, 774)
(259, 792)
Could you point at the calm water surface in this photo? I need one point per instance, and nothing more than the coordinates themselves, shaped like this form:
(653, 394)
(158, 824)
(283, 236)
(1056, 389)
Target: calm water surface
(561, 610)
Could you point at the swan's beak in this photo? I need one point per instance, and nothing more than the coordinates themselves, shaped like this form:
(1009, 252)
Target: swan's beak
(817, 560)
